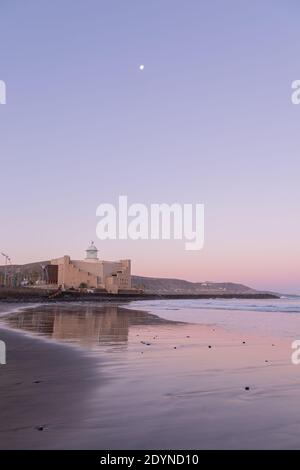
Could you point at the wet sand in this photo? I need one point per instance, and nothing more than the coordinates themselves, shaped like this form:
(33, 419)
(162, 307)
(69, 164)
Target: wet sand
(110, 378)
(44, 393)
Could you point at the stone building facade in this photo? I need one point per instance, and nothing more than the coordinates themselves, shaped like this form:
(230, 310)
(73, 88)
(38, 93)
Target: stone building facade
(113, 276)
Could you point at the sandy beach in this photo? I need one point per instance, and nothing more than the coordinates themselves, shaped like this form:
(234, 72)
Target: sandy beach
(106, 377)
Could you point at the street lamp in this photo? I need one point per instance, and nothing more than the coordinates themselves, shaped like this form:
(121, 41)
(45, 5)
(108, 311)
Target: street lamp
(7, 258)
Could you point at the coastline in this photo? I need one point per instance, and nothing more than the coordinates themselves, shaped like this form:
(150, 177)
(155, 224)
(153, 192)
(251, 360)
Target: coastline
(26, 295)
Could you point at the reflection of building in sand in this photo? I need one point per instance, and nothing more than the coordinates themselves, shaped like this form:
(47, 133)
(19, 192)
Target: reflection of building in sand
(86, 324)
(88, 327)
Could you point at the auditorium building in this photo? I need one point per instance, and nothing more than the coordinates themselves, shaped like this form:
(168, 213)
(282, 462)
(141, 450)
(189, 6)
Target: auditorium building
(113, 276)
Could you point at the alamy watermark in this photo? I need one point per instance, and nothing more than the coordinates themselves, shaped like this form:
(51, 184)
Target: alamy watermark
(2, 353)
(295, 357)
(154, 222)
(2, 92)
(295, 96)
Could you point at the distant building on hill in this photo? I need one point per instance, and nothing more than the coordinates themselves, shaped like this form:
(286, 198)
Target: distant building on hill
(113, 276)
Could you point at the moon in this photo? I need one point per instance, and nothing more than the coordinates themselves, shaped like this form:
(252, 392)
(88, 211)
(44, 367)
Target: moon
(141, 67)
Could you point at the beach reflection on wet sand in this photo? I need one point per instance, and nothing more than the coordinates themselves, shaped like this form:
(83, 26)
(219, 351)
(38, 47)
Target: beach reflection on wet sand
(87, 325)
(169, 385)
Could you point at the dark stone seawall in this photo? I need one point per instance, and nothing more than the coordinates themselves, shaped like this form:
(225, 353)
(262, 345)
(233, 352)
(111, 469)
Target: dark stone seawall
(40, 295)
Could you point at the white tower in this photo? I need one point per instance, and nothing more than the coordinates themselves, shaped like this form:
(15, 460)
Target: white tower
(92, 253)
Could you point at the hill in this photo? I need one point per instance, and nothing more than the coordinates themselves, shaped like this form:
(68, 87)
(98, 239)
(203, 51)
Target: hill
(163, 286)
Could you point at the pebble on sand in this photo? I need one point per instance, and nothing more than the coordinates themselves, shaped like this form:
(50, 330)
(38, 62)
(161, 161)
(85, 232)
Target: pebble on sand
(40, 428)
